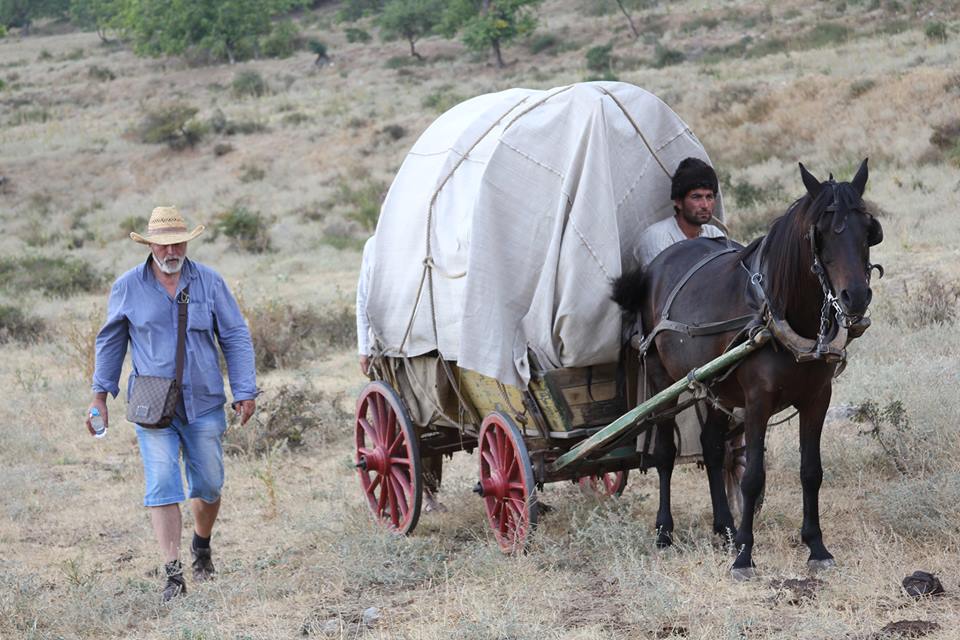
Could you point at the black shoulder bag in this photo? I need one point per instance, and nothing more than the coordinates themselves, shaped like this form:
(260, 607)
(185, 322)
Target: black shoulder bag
(153, 401)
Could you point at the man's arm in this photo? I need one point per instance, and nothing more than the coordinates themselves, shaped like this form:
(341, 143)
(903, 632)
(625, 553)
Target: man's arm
(363, 286)
(111, 349)
(237, 346)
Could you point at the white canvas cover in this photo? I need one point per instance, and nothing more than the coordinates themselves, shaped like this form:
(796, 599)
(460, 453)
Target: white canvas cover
(539, 199)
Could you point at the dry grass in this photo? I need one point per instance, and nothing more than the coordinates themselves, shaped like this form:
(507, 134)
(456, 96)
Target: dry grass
(297, 554)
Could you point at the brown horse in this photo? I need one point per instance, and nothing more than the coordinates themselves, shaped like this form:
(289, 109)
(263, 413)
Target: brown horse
(808, 281)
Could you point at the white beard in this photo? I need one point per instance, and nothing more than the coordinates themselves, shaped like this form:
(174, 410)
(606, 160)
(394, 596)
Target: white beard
(170, 266)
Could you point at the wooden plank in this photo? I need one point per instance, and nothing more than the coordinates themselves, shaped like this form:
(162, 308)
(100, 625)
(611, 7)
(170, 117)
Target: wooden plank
(638, 413)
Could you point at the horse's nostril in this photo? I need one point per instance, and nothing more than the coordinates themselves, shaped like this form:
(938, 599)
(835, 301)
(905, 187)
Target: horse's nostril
(845, 298)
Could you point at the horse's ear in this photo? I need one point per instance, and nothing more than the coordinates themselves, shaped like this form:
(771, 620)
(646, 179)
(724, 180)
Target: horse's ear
(859, 181)
(811, 183)
(874, 233)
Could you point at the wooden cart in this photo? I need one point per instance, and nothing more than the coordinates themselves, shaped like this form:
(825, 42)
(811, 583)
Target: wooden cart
(568, 424)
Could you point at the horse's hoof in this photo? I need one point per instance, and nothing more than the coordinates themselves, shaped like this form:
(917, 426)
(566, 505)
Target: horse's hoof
(816, 566)
(742, 573)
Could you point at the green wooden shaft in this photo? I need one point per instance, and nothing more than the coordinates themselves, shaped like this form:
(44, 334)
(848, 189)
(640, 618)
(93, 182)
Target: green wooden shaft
(642, 410)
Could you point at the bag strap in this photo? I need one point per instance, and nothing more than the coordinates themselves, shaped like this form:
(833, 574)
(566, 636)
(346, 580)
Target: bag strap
(183, 298)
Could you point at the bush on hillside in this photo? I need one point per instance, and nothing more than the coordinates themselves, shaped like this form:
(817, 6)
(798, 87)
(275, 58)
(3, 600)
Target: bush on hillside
(246, 229)
(60, 276)
(173, 125)
(355, 35)
(221, 124)
(16, 326)
(284, 40)
(936, 31)
(249, 83)
(599, 58)
(100, 73)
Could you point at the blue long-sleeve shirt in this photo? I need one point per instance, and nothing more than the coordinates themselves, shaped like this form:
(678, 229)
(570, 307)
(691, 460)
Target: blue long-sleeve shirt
(141, 312)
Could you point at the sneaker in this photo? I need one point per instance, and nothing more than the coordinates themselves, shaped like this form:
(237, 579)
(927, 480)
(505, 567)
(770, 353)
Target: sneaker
(176, 585)
(202, 564)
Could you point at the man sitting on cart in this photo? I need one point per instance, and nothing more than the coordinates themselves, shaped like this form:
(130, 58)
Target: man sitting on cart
(693, 190)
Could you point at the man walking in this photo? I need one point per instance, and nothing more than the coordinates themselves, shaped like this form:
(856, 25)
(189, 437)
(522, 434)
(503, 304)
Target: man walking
(143, 312)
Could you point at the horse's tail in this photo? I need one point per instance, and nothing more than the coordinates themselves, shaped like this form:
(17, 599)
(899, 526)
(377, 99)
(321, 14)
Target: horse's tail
(628, 290)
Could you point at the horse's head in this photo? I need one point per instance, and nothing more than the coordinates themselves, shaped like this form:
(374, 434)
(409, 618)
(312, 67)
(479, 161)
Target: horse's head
(841, 235)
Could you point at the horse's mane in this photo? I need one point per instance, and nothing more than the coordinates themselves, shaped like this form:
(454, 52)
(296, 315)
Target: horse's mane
(787, 249)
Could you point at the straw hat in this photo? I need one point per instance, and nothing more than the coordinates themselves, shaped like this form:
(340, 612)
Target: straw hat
(166, 226)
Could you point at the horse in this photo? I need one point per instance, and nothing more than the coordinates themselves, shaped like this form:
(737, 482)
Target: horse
(808, 282)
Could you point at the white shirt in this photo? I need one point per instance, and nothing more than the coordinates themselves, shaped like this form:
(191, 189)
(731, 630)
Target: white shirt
(665, 233)
(363, 287)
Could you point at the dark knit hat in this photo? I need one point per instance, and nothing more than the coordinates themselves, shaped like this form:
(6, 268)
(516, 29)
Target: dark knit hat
(692, 173)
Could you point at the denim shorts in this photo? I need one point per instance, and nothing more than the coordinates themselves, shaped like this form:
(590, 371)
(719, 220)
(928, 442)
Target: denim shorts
(201, 442)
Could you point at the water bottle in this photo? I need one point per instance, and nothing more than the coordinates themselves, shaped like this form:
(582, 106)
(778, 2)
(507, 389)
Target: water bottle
(97, 421)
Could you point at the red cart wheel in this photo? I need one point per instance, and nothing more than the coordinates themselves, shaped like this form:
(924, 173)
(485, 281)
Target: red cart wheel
(506, 482)
(605, 485)
(388, 458)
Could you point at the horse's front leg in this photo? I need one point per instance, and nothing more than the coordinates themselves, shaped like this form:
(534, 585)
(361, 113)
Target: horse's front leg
(757, 412)
(812, 414)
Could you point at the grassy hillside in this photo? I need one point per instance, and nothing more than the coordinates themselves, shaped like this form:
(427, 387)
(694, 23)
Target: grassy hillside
(288, 182)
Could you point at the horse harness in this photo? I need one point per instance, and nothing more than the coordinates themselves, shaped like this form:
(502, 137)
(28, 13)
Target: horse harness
(830, 350)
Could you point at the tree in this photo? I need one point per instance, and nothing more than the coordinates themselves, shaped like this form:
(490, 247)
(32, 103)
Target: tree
(226, 29)
(353, 10)
(101, 15)
(22, 13)
(410, 20)
(489, 24)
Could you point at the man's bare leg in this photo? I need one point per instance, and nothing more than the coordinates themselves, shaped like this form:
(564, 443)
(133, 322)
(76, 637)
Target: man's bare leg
(204, 515)
(167, 524)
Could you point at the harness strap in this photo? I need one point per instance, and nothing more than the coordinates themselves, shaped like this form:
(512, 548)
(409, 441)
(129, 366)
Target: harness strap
(708, 328)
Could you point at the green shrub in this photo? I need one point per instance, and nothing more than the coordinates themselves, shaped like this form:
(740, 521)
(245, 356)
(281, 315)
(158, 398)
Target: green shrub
(3, 84)
(441, 99)
(252, 173)
(246, 229)
(355, 35)
(665, 57)
(599, 58)
(401, 62)
(44, 55)
(222, 149)
(936, 31)
(295, 119)
(362, 200)
(171, 124)
(59, 276)
(249, 83)
(319, 49)
(545, 42)
(26, 116)
(223, 125)
(103, 74)
(133, 223)
(393, 132)
(284, 40)
(862, 86)
(15, 326)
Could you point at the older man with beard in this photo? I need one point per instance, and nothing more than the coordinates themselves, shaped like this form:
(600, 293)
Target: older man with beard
(143, 312)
